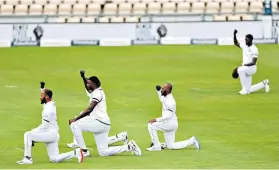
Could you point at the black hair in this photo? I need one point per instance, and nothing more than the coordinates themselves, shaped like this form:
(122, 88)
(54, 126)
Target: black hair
(250, 37)
(95, 80)
(49, 93)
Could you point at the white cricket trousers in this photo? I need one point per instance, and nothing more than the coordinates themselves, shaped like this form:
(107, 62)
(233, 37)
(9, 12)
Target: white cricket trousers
(111, 139)
(245, 75)
(169, 129)
(100, 130)
(51, 139)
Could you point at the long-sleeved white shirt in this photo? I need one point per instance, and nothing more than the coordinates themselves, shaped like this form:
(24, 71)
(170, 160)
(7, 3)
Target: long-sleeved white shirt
(168, 107)
(49, 118)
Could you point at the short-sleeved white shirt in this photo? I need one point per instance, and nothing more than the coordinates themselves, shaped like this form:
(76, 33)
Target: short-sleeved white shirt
(49, 115)
(168, 106)
(248, 53)
(100, 110)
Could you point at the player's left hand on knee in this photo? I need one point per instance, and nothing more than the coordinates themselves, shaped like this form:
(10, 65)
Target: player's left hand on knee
(71, 121)
(152, 121)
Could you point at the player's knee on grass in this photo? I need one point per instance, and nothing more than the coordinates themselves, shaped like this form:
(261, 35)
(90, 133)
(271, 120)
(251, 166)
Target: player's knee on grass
(170, 146)
(53, 159)
(103, 152)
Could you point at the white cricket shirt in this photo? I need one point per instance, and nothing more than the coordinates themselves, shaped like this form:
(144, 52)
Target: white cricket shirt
(49, 116)
(100, 110)
(168, 107)
(248, 53)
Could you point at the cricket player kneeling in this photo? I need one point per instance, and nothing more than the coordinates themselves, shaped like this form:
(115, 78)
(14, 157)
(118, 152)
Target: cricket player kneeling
(122, 136)
(95, 119)
(248, 67)
(167, 123)
(47, 133)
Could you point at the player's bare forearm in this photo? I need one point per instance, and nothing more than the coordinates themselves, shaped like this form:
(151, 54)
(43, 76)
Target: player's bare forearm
(236, 43)
(84, 79)
(87, 111)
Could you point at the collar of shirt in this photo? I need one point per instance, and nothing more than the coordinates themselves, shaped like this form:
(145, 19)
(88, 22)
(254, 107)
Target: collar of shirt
(48, 103)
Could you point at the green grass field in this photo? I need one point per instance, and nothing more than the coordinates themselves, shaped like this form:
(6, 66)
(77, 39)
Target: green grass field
(234, 131)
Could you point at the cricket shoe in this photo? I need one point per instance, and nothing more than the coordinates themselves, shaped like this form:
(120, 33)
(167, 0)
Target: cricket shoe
(154, 148)
(163, 145)
(79, 155)
(195, 142)
(25, 161)
(72, 145)
(134, 148)
(266, 85)
(86, 154)
(124, 136)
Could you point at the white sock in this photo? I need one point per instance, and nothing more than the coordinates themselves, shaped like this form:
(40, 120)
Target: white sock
(78, 135)
(153, 135)
(63, 156)
(115, 138)
(257, 87)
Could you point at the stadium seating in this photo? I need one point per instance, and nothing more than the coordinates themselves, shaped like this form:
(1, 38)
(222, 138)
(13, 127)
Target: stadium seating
(212, 8)
(7, 9)
(36, 9)
(93, 9)
(183, 7)
(79, 9)
(110, 9)
(169, 8)
(131, 19)
(74, 20)
(139, 8)
(50, 9)
(126, 10)
(88, 19)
